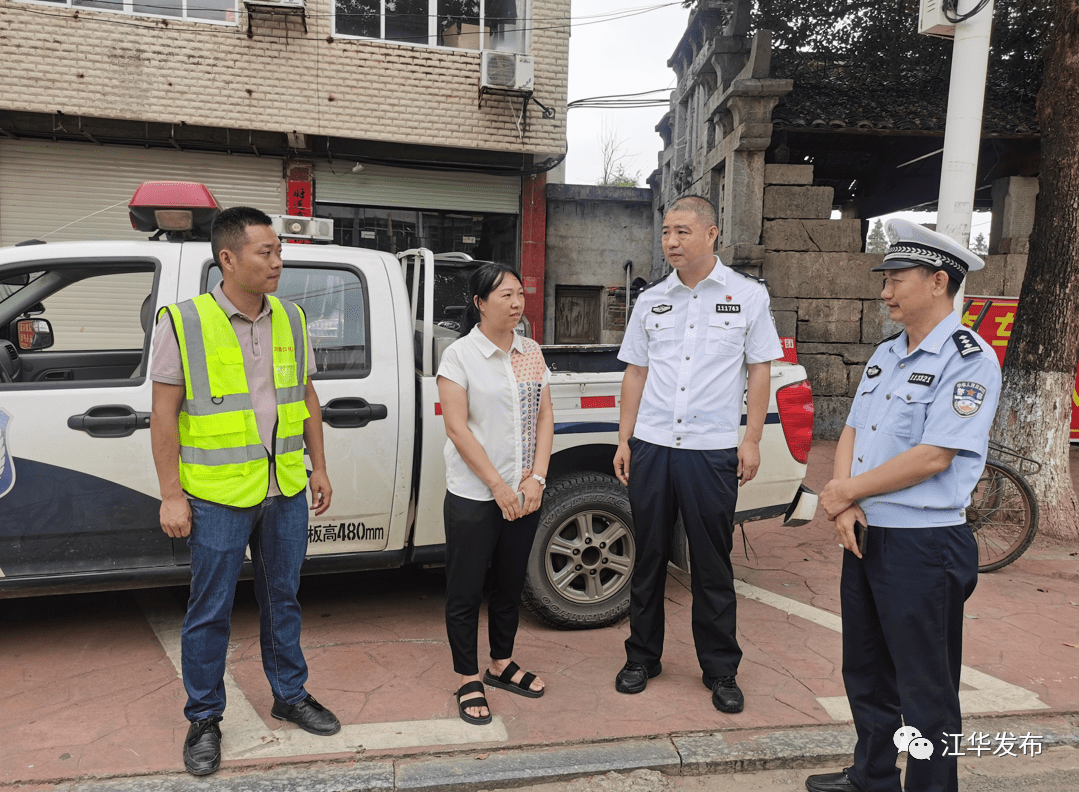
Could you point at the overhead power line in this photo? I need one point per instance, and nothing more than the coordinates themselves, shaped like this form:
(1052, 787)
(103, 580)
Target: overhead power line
(624, 101)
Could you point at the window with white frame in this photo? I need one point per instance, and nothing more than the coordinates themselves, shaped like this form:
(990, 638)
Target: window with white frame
(464, 24)
(195, 10)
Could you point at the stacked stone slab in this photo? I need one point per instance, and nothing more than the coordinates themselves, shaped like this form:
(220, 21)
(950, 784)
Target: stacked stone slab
(823, 293)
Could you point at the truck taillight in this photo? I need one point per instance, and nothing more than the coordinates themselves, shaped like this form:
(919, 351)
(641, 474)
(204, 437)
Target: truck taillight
(796, 416)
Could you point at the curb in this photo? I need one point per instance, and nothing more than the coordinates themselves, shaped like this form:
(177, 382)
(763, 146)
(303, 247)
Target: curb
(687, 754)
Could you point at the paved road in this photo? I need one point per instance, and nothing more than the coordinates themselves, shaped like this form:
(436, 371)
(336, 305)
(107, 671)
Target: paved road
(89, 685)
(1055, 770)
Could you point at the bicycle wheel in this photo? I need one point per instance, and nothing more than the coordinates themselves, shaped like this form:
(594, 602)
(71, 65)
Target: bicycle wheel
(1003, 513)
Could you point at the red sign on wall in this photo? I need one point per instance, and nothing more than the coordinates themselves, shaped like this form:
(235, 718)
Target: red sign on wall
(996, 328)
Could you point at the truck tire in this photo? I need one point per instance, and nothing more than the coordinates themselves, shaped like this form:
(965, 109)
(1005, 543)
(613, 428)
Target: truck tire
(582, 559)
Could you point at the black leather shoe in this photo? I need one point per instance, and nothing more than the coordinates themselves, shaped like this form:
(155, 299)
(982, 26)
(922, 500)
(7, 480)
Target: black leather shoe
(202, 748)
(633, 678)
(832, 782)
(726, 695)
(309, 715)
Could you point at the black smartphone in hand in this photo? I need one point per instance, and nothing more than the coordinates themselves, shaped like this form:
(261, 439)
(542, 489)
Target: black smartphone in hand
(861, 535)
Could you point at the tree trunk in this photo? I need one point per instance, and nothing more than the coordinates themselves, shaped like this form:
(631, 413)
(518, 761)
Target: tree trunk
(1043, 352)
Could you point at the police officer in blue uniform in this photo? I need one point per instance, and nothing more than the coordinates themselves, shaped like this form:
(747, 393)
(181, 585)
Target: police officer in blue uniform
(696, 341)
(911, 453)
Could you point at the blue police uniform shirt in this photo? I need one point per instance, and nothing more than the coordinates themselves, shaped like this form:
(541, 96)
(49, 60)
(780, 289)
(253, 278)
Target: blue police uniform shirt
(696, 344)
(944, 394)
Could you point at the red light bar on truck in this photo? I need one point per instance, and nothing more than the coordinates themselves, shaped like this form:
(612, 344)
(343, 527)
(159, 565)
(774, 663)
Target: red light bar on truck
(182, 209)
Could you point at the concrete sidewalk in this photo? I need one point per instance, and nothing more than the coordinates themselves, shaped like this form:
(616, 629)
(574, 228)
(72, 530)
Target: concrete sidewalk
(90, 695)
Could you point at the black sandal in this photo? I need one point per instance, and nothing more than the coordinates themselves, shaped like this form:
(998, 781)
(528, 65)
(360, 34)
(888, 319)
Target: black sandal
(472, 687)
(505, 681)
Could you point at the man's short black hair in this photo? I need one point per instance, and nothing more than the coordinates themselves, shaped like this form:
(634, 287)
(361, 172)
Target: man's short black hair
(701, 207)
(229, 229)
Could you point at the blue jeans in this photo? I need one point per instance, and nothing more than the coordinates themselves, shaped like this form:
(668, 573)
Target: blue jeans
(276, 530)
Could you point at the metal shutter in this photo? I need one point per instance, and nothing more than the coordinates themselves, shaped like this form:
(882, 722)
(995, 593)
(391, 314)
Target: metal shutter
(44, 186)
(378, 185)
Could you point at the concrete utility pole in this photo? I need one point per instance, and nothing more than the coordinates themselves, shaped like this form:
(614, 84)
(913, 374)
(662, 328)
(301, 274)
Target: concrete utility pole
(963, 127)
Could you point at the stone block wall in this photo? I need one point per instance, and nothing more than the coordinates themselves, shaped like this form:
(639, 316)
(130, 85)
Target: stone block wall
(825, 295)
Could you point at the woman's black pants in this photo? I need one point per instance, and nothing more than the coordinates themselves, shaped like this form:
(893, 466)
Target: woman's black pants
(477, 537)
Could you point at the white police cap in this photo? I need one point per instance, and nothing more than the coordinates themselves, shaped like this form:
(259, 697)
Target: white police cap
(913, 245)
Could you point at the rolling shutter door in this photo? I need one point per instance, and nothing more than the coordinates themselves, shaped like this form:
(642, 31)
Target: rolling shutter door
(46, 186)
(378, 185)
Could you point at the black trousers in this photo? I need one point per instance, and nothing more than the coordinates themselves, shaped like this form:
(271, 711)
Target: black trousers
(703, 485)
(902, 649)
(477, 537)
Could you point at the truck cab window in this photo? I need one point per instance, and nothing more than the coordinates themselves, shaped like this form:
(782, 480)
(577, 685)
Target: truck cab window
(99, 315)
(335, 302)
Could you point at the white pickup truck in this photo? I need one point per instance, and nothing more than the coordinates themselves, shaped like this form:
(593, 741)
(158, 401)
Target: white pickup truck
(78, 489)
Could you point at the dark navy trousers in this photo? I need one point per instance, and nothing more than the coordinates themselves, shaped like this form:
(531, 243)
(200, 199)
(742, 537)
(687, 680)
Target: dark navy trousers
(703, 485)
(902, 649)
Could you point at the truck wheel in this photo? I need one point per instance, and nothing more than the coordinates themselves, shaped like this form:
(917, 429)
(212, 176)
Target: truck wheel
(579, 569)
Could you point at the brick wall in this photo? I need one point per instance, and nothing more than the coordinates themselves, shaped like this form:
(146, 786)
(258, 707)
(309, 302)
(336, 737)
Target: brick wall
(84, 62)
(825, 295)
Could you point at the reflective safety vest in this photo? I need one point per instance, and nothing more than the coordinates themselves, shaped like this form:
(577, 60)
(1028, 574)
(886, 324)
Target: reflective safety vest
(222, 459)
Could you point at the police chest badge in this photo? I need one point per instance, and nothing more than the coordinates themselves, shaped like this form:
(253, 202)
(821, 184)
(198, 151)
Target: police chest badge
(967, 398)
(7, 464)
(661, 309)
(872, 371)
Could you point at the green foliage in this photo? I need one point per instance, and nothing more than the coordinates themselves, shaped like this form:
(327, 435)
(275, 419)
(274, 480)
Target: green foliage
(878, 42)
(980, 246)
(876, 243)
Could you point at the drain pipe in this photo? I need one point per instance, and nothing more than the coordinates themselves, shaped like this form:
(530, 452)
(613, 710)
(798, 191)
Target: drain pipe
(628, 267)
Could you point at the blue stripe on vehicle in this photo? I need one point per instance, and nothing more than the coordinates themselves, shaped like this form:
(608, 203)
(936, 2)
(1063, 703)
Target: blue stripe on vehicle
(585, 427)
(768, 419)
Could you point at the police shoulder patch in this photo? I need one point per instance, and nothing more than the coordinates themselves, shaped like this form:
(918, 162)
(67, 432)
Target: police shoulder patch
(750, 277)
(965, 343)
(967, 398)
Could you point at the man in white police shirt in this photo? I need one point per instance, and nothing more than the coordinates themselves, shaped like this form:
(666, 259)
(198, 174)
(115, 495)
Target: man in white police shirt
(912, 451)
(688, 346)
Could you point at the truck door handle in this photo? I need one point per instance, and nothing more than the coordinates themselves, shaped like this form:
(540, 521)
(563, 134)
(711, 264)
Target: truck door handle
(65, 374)
(352, 413)
(109, 420)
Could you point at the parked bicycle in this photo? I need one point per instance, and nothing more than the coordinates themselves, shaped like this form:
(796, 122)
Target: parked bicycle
(1003, 512)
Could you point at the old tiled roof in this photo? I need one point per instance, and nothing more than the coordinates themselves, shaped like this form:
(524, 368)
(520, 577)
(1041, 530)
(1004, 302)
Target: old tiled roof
(829, 95)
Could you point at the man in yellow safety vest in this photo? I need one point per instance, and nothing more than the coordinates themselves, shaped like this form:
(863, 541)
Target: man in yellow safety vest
(233, 408)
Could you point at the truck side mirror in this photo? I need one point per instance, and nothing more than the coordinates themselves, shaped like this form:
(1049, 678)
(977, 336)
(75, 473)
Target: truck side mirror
(31, 334)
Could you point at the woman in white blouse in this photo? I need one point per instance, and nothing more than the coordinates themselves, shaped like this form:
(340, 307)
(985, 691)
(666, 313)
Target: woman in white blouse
(493, 387)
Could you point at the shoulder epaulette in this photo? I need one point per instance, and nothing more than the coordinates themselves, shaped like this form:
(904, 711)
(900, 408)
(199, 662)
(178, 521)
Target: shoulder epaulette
(648, 286)
(965, 343)
(761, 281)
(892, 337)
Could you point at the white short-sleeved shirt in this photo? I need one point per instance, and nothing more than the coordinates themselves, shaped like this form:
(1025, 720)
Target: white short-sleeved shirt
(943, 393)
(696, 344)
(503, 408)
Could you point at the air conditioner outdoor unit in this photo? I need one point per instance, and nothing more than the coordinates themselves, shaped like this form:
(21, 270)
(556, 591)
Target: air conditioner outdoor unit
(932, 22)
(317, 229)
(507, 71)
(283, 4)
